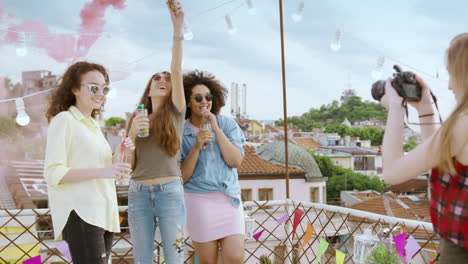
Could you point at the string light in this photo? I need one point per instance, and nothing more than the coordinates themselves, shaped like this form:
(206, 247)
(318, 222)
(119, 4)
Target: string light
(297, 16)
(377, 72)
(231, 29)
(21, 48)
(22, 117)
(251, 8)
(336, 43)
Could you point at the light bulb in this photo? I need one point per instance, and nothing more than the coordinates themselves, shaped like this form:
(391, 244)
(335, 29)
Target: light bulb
(377, 72)
(112, 93)
(336, 43)
(21, 49)
(297, 16)
(22, 117)
(231, 29)
(251, 8)
(188, 34)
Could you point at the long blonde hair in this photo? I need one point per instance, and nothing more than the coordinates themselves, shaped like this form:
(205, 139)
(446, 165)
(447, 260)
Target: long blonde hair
(457, 65)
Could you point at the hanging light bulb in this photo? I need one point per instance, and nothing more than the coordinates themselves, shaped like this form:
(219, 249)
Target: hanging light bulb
(251, 8)
(21, 49)
(21, 118)
(188, 34)
(231, 29)
(336, 43)
(377, 72)
(297, 16)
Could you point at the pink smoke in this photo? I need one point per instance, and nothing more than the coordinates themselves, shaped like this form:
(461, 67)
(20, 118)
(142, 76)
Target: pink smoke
(63, 47)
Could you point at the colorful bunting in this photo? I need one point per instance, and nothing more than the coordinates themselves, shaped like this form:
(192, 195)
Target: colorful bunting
(282, 219)
(257, 235)
(321, 250)
(308, 234)
(62, 247)
(412, 246)
(34, 260)
(400, 244)
(340, 256)
(297, 219)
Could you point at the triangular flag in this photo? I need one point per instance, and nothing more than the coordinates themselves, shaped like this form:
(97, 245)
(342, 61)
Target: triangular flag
(282, 219)
(297, 219)
(308, 234)
(121, 218)
(34, 260)
(412, 246)
(62, 247)
(257, 236)
(340, 256)
(400, 244)
(321, 250)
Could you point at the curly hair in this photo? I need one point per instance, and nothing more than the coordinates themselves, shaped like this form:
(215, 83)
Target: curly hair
(162, 122)
(217, 90)
(62, 96)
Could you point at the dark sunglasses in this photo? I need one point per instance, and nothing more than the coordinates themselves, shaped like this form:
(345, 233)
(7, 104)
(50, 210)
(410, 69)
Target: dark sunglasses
(199, 98)
(94, 88)
(159, 76)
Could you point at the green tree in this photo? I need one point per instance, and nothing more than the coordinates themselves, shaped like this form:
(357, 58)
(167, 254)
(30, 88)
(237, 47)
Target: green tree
(7, 127)
(341, 179)
(114, 121)
(411, 144)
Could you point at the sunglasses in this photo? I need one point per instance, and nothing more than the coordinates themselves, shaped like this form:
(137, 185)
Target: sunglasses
(159, 76)
(199, 98)
(95, 89)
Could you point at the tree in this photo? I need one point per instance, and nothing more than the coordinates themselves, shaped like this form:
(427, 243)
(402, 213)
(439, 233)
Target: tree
(411, 144)
(114, 121)
(13, 89)
(341, 179)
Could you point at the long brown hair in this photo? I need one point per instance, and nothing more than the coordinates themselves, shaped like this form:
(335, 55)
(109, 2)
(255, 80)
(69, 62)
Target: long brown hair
(62, 97)
(166, 134)
(457, 66)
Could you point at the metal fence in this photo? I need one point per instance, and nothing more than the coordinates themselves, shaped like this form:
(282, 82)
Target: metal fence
(25, 233)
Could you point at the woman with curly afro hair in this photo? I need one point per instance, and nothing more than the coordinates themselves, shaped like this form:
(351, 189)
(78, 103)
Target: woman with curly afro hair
(212, 150)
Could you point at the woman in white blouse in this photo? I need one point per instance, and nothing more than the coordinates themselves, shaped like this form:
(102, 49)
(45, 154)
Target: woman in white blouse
(78, 165)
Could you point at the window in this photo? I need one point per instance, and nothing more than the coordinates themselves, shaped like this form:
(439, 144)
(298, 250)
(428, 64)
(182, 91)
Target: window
(265, 194)
(314, 195)
(364, 163)
(246, 195)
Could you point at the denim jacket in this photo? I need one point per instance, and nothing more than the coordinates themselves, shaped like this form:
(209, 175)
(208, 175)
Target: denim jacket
(211, 173)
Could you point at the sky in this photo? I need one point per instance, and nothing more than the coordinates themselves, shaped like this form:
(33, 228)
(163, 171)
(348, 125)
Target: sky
(134, 37)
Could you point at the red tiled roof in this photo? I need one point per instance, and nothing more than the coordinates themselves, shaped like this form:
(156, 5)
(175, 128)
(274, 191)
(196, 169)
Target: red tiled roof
(306, 142)
(418, 210)
(363, 196)
(253, 164)
(410, 186)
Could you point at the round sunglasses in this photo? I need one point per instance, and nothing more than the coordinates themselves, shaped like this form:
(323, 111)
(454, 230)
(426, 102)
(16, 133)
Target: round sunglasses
(95, 89)
(199, 98)
(159, 76)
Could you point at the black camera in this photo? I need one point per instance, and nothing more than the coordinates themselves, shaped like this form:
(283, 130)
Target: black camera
(404, 83)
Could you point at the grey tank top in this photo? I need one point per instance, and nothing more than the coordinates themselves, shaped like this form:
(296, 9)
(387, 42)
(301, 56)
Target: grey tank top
(151, 160)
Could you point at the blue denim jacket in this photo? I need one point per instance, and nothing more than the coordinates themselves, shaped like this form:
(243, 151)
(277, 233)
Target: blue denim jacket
(211, 173)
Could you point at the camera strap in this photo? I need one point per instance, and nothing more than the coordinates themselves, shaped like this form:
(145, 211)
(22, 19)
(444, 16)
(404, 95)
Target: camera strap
(404, 103)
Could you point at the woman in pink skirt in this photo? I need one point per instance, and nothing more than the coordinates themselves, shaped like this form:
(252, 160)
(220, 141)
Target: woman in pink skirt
(211, 152)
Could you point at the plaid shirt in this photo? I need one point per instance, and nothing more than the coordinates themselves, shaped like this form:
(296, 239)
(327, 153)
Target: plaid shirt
(449, 205)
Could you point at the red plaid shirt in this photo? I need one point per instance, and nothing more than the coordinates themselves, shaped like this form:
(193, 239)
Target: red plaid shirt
(449, 205)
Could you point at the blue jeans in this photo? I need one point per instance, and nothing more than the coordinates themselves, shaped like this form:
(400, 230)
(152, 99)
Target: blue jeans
(157, 204)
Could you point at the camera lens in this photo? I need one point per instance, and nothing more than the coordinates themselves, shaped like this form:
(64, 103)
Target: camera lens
(378, 90)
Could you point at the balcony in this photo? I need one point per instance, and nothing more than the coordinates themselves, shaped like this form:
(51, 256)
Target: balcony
(27, 233)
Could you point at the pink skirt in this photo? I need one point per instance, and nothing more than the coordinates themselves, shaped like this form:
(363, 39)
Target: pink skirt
(211, 216)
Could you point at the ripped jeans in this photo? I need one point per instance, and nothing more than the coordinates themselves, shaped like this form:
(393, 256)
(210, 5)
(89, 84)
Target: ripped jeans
(157, 204)
(87, 243)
